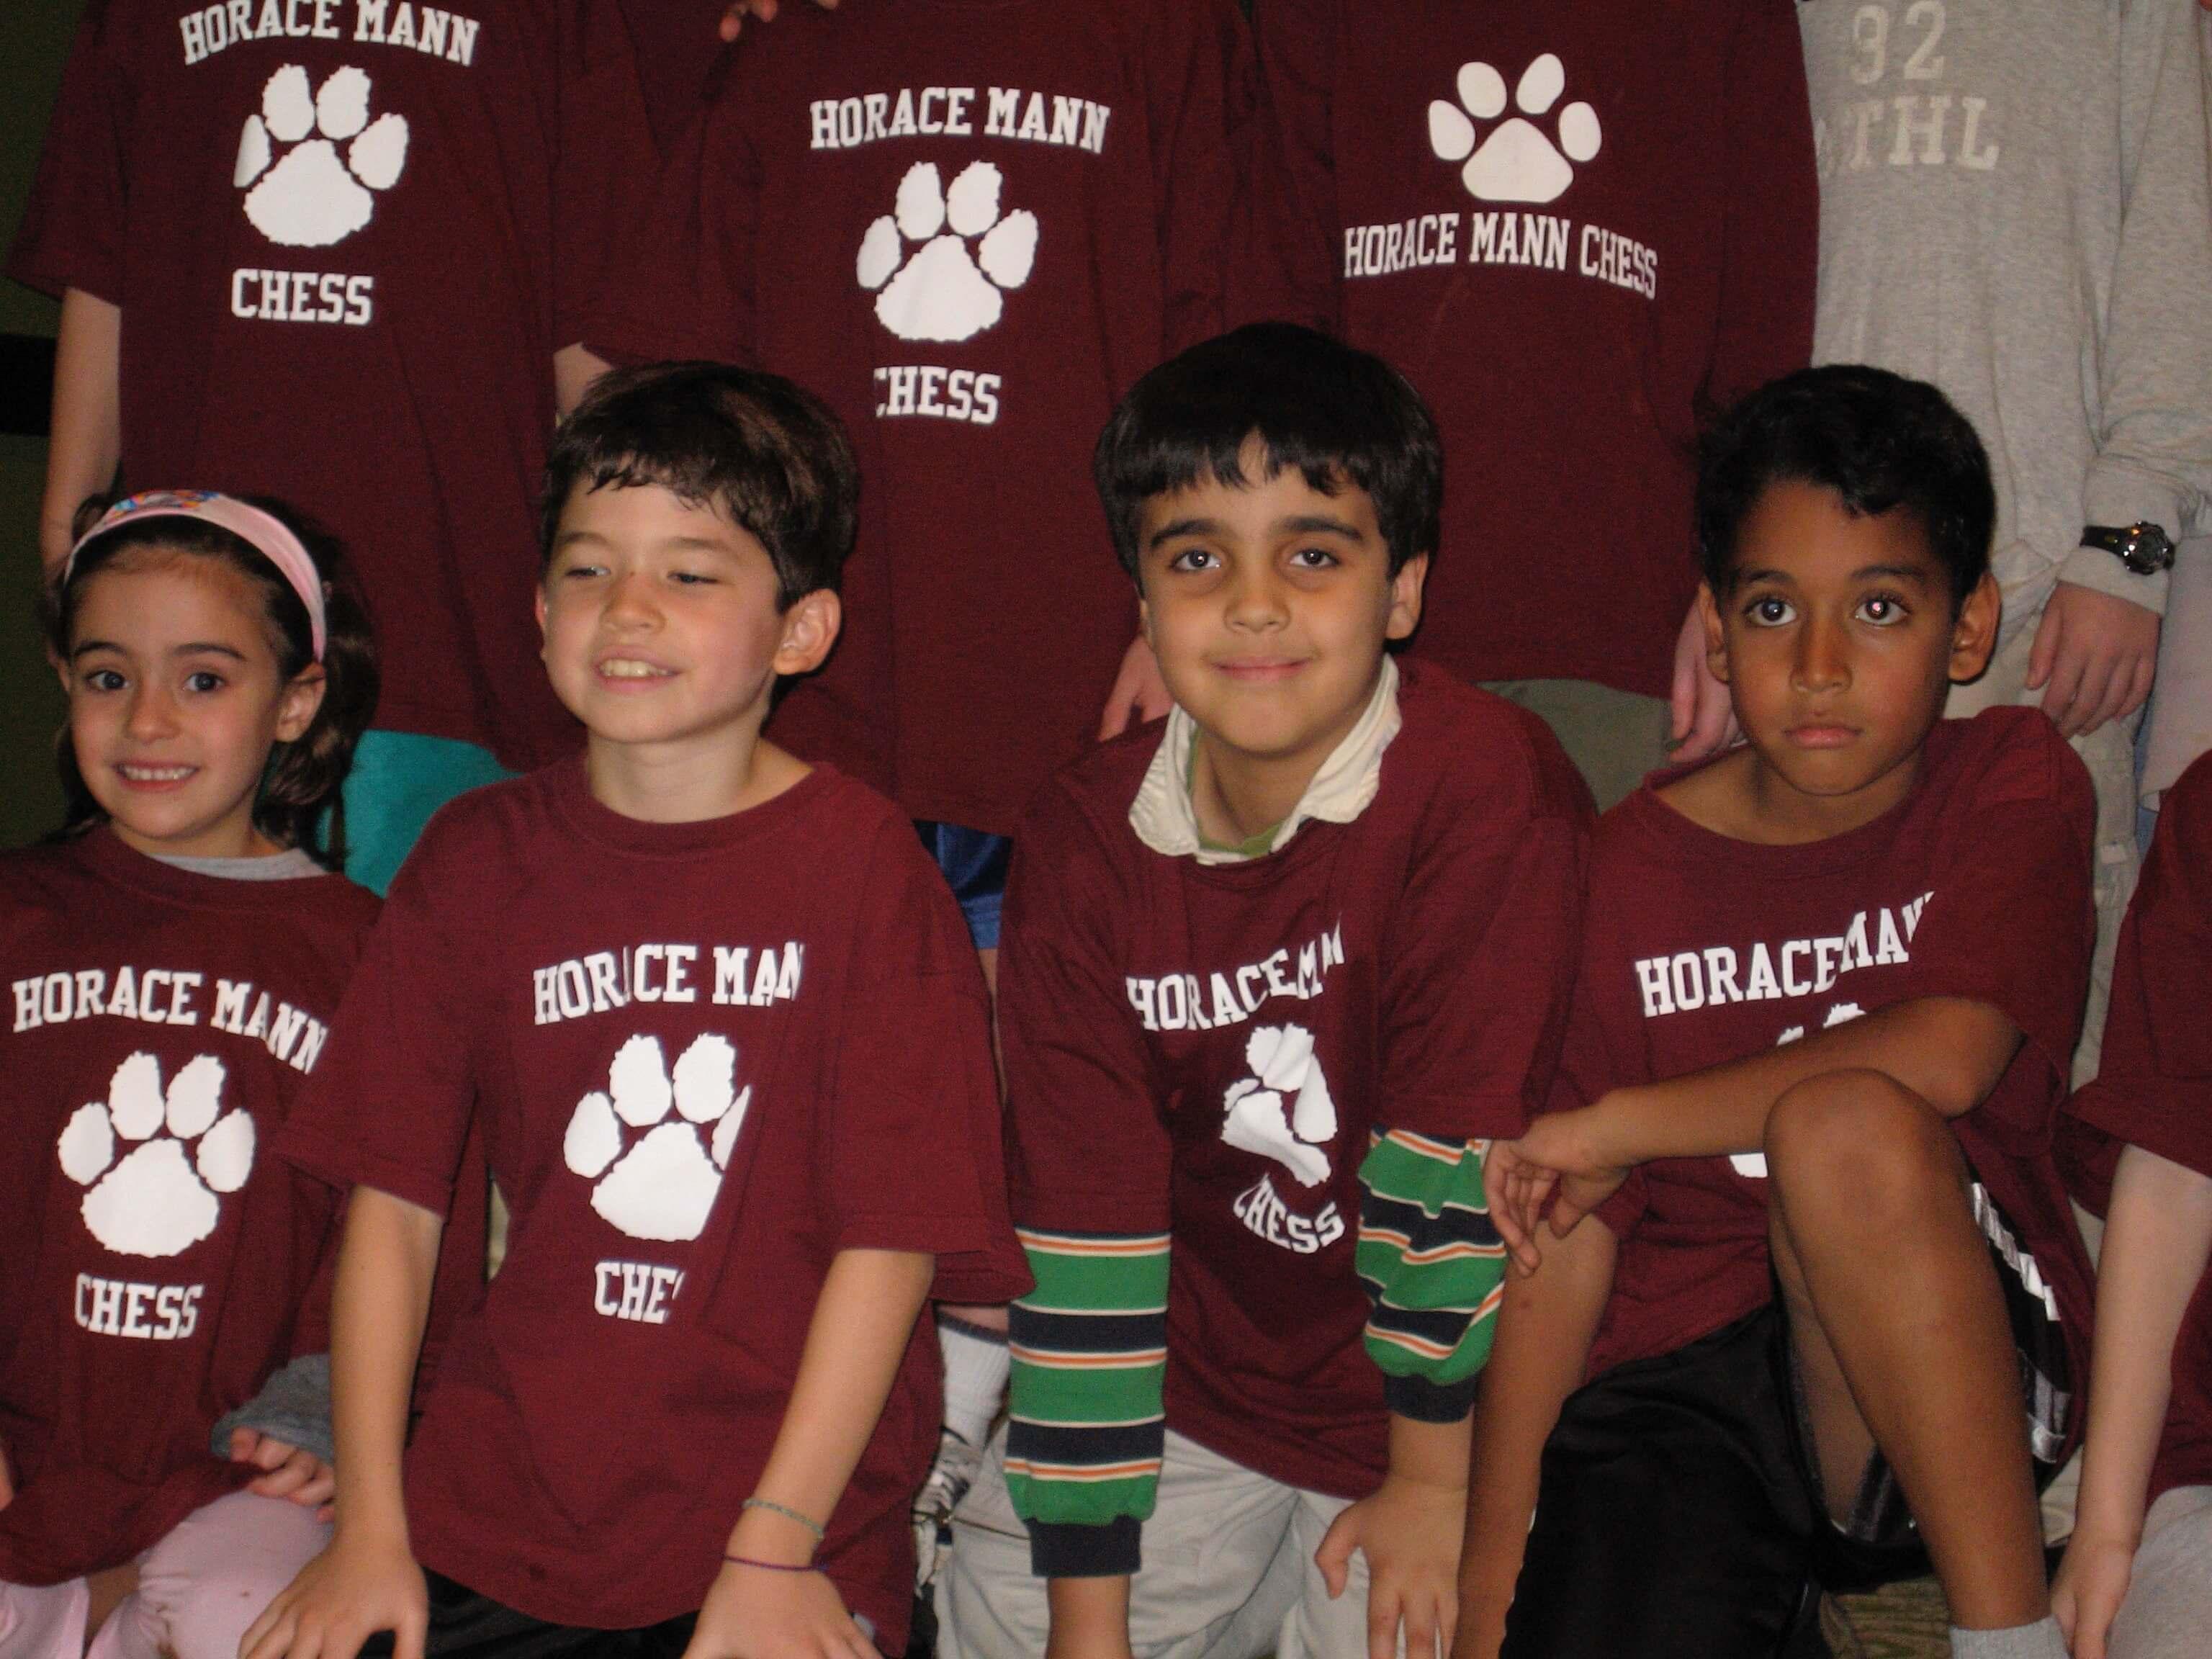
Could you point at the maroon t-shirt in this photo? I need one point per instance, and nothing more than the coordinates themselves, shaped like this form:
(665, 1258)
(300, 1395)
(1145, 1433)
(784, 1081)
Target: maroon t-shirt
(678, 43)
(346, 251)
(783, 1002)
(1579, 227)
(1421, 954)
(971, 228)
(154, 1254)
(2154, 1089)
(1701, 949)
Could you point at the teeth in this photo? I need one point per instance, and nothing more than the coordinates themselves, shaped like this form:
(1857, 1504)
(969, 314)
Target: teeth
(623, 668)
(156, 773)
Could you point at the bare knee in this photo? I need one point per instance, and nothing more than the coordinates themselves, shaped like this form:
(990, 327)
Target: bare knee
(1859, 1146)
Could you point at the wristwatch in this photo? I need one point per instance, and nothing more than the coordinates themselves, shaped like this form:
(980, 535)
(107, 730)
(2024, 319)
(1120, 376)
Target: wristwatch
(2142, 546)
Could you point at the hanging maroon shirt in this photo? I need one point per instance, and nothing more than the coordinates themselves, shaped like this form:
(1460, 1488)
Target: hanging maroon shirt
(154, 1253)
(346, 251)
(2154, 1089)
(1701, 949)
(678, 44)
(1578, 227)
(783, 1002)
(971, 228)
(1419, 956)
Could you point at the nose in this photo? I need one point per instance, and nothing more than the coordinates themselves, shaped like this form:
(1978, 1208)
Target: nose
(630, 602)
(1823, 661)
(1257, 601)
(152, 713)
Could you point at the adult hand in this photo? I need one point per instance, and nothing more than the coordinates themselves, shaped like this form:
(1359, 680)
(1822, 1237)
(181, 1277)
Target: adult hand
(1409, 1530)
(1138, 693)
(1702, 721)
(2092, 1582)
(287, 1471)
(733, 19)
(2096, 655)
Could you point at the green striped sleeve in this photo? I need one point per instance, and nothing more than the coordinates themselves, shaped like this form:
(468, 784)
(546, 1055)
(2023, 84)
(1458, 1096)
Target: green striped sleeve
(1090, 1357)
(1434, 1269)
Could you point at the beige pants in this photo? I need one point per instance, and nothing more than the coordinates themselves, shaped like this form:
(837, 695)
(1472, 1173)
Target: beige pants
(2168, 1612)
(2109, 752)
(1614, 738)
(1228, 1571)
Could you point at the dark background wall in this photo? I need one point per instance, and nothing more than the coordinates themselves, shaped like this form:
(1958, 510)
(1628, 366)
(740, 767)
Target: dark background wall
(37, 33)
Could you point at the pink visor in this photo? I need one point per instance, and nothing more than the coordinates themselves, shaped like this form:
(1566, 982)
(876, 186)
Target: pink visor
(261, 531)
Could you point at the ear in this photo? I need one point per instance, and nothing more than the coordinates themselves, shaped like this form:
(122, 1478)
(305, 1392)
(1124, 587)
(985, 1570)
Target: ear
(1974, 635)
(297, 705)
(61, 669)
(537, 609)
(1709, 614)
(809, 629)
(1406, 597)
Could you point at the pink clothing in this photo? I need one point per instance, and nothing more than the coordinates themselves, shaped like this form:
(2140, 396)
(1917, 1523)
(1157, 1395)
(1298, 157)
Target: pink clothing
(199, 1587)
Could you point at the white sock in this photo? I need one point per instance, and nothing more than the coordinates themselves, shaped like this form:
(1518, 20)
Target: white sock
(975, 1366)
(2040, 1640)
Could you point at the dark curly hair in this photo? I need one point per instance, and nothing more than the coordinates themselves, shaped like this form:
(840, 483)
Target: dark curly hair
(298, 803)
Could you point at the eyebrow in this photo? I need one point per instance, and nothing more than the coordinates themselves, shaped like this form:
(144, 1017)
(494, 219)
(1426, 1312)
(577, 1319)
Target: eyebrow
(569, 538)
(1914, 573)
(190, 647)
(1305, 523)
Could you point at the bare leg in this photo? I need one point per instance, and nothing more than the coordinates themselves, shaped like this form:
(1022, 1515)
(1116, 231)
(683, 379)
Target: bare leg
(1901, 1332)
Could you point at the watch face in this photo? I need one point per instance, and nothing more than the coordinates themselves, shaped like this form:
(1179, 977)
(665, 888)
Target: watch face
(2146, 550)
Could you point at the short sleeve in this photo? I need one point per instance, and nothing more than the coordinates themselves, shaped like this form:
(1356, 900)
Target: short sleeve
(914, 1126)
(1088, 1149)
(1481, 953)
(389, 1103)
(605, 147)
(73, 227)
(2155, 1090)
(681, 283)
(2008, 919)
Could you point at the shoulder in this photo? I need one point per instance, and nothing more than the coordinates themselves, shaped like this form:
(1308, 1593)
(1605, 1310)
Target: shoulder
(1085, 805)
(2008, 754)
(478, 841)
(43, 881)
(1470, 753)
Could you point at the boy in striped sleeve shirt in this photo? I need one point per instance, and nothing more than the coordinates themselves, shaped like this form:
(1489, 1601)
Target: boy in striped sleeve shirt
(1274, 970)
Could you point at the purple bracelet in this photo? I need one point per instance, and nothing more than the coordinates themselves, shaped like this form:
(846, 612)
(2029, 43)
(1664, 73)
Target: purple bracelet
(769, 1566)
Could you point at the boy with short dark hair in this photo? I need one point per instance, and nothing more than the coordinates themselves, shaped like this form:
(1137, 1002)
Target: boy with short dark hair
(685, 961)
(1829, 988)
(1272, 972)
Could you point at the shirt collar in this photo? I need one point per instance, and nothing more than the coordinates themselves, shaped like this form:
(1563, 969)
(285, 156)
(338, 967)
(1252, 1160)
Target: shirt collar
(1166, 820)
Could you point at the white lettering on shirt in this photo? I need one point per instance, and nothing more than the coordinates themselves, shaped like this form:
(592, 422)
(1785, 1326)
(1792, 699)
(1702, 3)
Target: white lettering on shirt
(637, 1291)
(943, 394)
(1181, 1002)
(431, 30)
(1682, 981)
(745, 976)
(157, 1313)
(1033, 118)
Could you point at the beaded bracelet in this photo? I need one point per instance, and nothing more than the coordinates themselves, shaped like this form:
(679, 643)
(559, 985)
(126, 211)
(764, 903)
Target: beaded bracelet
(774, 1508)
(770, 1566)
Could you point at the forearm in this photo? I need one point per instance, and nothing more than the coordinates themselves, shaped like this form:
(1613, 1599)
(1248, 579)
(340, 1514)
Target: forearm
(1947, 1050)
(862, 1322)
(378, 1305)
(1089, 1617)
(85, 439)
(2158, 1238)
(1544, 1336)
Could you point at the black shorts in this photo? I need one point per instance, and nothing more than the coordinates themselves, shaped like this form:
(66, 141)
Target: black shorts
(467, 1625)
(1680, 1515)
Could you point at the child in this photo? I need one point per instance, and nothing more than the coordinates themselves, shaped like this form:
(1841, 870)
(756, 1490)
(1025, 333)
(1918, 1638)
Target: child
(332, 250)
(1272, 972)
(174, 957)
(685, 960)
(1570, 314)
(1829, 986)
(2137, 1583)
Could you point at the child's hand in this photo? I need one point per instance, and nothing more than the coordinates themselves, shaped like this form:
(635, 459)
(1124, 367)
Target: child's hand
(758, 1612)
(1518, 1177)
(355, 1588)
(1409, 1531)
(289, 1472)
(2092, 1583)
(1138, 694)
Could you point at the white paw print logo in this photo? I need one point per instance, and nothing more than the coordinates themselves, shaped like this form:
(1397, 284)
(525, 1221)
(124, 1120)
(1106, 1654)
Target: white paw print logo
(158, 1200)
(1283, 1066)
(946, 291)
(1754, 1164)
(312, 198)
(663, 1184)
(1516, 162)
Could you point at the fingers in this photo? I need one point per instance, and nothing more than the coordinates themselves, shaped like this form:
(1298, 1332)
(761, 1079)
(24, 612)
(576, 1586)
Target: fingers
(322, 1486)
(2140, 682)
(2043, 655)
(2090, 689)
(244, 1442)
(1384, 1611)
(1334, 1558)
(412, 1634)
(1121, 703)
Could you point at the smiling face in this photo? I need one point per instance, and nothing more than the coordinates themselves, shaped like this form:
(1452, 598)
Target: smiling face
(662, 633)
(175, 697)
(1839, 639)
(1268, 606)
